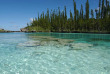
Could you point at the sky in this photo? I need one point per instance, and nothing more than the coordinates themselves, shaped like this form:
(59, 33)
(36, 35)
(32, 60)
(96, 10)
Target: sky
(15, 14)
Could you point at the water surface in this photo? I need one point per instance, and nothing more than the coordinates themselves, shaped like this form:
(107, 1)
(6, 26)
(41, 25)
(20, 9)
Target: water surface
(54, 53)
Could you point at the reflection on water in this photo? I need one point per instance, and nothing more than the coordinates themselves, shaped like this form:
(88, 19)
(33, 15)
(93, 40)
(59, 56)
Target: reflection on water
(73, 35)
(99, 39)
(95, 39)
(54, 53)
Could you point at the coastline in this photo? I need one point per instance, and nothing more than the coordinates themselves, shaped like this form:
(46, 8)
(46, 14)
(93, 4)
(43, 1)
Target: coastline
(71, 32)
(56, 32)
(8, 31)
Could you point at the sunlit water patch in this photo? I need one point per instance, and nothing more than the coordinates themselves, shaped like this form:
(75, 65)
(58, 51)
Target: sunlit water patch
(54, 53)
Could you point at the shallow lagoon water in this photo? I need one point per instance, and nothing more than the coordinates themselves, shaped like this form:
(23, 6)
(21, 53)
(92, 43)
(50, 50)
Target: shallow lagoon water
(54, 53)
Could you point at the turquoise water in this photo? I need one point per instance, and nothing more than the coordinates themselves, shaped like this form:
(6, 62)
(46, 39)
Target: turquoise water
(54, 53)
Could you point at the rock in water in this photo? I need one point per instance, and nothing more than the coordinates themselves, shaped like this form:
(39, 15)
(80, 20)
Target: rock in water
(30, 44)
(79, 46)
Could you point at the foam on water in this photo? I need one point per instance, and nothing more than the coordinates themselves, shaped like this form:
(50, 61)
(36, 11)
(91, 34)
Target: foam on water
(54, 53)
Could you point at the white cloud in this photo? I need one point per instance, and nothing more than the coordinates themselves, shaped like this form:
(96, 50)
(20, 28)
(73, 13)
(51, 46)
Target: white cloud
(98, 8)
(31, 19)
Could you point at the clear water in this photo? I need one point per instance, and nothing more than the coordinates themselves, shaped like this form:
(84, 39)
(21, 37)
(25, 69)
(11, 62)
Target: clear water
(54, 53)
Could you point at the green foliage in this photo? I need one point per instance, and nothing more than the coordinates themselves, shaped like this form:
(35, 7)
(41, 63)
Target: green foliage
(57, 20)
(81, 12)
(1, 30)
(87, 10)
(102, 10)
(92, 13)
(99, 8)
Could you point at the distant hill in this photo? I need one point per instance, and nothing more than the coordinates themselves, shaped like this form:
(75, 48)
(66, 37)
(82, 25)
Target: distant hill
(3, 30)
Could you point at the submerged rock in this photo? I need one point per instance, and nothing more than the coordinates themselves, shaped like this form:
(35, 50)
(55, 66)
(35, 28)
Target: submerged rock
(48, 40)
(30, 44)
(37, 53)
(79, 46)
(64, 41)
(51, 41)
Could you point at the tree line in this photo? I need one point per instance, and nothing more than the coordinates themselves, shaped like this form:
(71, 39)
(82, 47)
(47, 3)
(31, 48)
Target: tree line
(58, 21)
